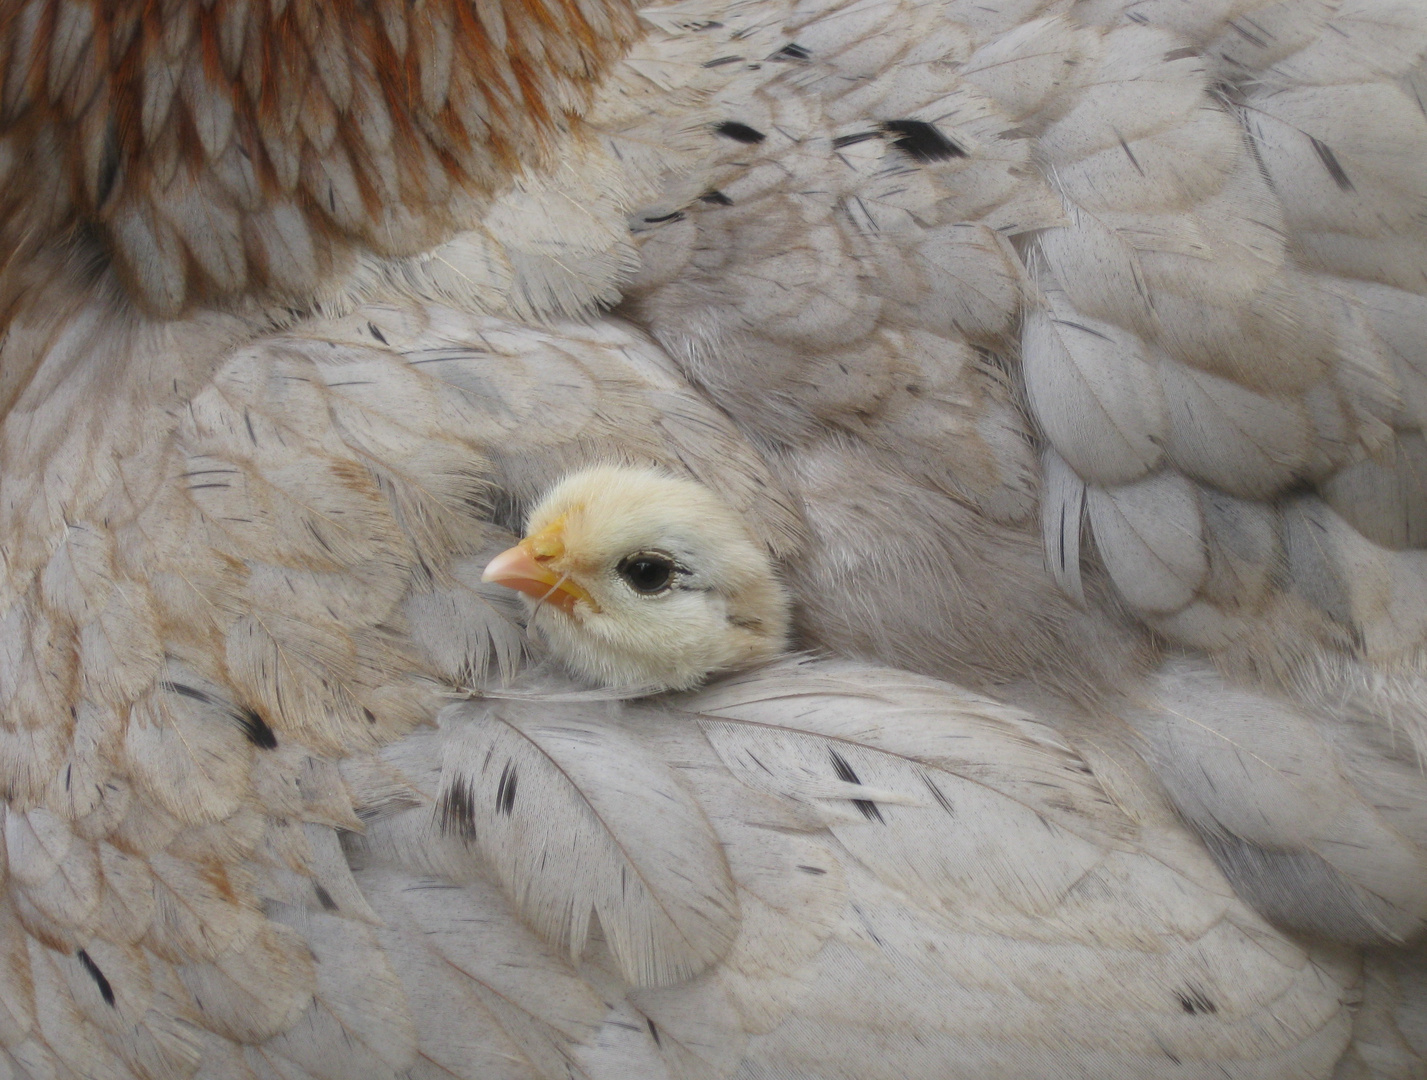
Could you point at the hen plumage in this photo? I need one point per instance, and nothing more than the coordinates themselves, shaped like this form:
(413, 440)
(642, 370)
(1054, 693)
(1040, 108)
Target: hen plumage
(937, 289)
(1146, 273)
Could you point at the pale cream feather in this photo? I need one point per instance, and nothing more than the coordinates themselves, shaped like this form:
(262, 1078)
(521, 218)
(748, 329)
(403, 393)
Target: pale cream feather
(1208, 312)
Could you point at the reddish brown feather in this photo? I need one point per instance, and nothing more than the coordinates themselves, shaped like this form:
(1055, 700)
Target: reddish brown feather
(304, 156)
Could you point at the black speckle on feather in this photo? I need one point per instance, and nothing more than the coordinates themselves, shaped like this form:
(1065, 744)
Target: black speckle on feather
(853, 139)
(505, 790)
(1082, 328)
(1332, 164)
(457, 810)
(254, 726)
(677, 215)
(376, 333)
(816, 871)
(1253, 39)
(732, 129)
(1130, 154)
(722, 61)
(324, 897)
(105, 990)
(844, 772)
(791, 51)
(1195, 1002)
(939, 795)
(257, 730)
(190, 692)
(654, 1032)
(922, 140)
(715, 198)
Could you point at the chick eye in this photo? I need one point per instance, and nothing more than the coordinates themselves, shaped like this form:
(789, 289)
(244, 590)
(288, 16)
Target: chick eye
(647, 572)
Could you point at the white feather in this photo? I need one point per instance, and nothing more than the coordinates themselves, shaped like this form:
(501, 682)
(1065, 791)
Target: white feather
(1150, 536)
(577, 820)
(1095, 393)
(359, 1024)
(1255, 773)
(524, 1008)
(1226, 435)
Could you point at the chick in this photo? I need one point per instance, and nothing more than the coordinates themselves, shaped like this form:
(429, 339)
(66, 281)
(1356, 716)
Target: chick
(639, 580)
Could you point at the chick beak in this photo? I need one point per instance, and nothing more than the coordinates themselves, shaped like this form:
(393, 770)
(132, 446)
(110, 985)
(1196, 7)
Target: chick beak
(523, 568)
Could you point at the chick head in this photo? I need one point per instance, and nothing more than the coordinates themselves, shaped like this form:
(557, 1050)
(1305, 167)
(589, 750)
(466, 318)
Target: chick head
(635, 578)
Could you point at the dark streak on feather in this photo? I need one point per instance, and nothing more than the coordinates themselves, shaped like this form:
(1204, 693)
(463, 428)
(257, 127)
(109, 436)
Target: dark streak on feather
(105, 990)
(324, 897)
(852, 140)
(716, 198)
(791, 51)
(677, 215)
(1252, 39)
(1062, 538)
(505, 790)
(939, 796)
(316, 534)
(1082, 327)
(1129, 153)
(844, 772)
(186, 691)
(816, 871)
(1332, 164)
(1195, 1002)
(371, 326)
(257, 730)
(732, 129)
(254, 726)
(922, 140)
(458, 810)
(654, 1032)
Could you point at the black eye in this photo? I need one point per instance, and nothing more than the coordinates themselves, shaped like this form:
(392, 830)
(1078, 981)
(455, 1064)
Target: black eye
(647, 572)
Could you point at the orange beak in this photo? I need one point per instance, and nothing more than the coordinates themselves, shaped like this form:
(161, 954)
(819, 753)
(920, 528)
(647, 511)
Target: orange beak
(523, 568)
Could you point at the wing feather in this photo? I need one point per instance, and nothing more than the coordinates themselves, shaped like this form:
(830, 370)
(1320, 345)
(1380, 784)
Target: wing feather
(576, 820)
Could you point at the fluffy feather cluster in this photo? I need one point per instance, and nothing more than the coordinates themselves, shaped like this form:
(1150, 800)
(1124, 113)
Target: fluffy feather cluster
(233, 147)
(1073, 350)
